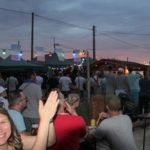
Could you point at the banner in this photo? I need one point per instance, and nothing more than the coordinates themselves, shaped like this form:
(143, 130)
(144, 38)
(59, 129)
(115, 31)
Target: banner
(15, 47)
(39, 49)
(76, 55)
(60, 53)
(15, 57)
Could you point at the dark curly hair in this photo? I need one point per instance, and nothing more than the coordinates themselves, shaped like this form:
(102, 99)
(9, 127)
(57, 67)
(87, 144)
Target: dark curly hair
(14, 140)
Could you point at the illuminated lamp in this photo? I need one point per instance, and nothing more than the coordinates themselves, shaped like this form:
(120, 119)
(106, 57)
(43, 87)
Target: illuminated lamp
(50, 54)
(20, 54)
(126, 70)
(4, 52)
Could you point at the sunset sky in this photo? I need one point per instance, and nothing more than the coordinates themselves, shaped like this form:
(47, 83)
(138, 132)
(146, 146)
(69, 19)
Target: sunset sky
(122, 26)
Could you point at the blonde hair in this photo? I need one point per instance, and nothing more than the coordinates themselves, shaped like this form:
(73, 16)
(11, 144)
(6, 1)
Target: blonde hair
(72, 98)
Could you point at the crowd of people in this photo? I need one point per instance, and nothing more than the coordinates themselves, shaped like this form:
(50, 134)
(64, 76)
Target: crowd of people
(53, 110)
(135, 86)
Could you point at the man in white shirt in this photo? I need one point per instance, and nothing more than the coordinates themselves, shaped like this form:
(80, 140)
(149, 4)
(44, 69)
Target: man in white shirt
(12, 83)
(34, 93)
(133, 83)
(80, 82)
(65, 84)
(110, 78)
(39, 79)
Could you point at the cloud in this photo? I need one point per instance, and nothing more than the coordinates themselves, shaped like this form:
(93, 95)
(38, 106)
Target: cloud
(121, 25)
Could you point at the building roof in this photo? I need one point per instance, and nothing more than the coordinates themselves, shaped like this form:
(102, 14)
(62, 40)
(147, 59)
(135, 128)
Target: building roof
(104, 63)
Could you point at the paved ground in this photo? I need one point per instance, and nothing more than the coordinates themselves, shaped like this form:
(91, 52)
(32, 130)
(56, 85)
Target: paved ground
(138, 135)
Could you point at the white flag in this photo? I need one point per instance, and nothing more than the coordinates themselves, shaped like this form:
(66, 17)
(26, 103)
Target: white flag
(60, 53)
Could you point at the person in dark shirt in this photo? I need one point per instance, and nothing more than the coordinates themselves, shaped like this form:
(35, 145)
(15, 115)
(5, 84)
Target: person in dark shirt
(52, 82)
(144, 92)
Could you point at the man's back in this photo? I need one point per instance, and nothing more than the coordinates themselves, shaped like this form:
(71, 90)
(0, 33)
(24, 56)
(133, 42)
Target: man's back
(65, 82)
(133, 81)
(33, 92)
(144, 87)
(39, 80)
(110, 82)
(80, 81)
(121, 83)
(12, 83)
(117, 131)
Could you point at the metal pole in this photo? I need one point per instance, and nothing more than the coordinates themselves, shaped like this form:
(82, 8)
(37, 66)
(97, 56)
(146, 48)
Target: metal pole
(94, 53)
(88, 77)
(32, 36)
(54, 44)
(144, 135)
(18, 43)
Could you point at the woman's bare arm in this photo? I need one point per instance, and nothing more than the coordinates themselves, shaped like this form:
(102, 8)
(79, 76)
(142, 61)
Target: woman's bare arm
(46, 113)
(46, 132)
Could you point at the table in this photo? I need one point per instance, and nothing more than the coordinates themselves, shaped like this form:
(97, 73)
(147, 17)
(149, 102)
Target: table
(86, 143)
(144, 116)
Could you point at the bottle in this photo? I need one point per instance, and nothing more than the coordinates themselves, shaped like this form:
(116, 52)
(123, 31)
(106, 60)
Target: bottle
(34, 129)
(143, 110)
(93, 123)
